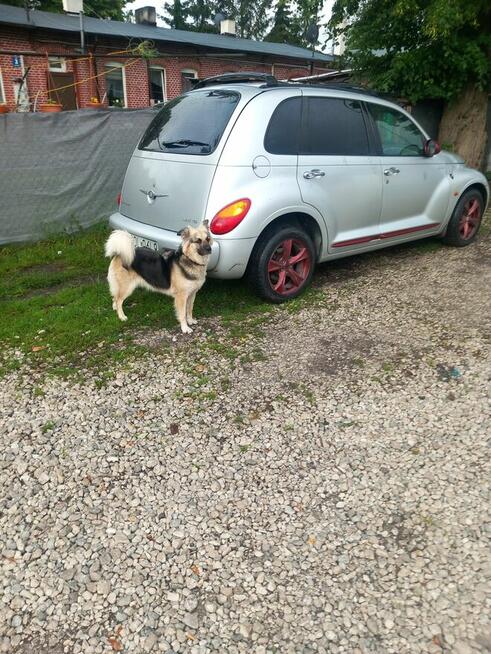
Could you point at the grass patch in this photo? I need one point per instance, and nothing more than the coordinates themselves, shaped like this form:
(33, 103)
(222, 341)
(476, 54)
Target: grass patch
(55, 308)
(56, 314)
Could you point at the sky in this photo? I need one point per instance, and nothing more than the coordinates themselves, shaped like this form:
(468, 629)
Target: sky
(158, 4)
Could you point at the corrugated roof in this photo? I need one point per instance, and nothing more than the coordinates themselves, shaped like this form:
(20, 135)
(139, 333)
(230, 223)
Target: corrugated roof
(46, 20)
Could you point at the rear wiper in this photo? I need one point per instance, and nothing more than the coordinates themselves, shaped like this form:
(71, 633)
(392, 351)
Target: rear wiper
(183, 143)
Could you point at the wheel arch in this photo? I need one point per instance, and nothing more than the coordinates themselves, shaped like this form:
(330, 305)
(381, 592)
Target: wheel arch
(300, 220)
(478, 186)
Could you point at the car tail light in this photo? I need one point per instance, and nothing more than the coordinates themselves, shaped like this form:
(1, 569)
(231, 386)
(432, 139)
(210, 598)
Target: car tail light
(118, 199)
(230, 216)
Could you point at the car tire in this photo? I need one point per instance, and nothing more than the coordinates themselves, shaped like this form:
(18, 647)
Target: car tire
(282, 264)
(466, 220)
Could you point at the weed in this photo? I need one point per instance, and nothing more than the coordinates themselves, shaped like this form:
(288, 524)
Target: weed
(225, 384)
(48, 426)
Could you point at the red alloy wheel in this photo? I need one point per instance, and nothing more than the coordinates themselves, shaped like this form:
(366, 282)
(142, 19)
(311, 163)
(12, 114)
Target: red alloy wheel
(470, 219)
(289, 266)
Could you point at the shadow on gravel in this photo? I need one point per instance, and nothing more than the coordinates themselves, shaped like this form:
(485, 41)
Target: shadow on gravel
(342, 353)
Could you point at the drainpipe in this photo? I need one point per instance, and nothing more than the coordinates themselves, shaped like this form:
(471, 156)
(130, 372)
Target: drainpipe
(149, 83)
(82, 34)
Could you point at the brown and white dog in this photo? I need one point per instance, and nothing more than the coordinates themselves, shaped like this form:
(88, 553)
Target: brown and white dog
(180, 274)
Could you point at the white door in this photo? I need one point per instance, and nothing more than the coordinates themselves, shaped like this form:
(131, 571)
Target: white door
(416, 188)
(337, 173)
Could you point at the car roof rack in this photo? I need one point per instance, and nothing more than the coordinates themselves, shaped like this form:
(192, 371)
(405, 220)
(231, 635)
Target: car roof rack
(237, 78)
(340, 86)
(271, 82)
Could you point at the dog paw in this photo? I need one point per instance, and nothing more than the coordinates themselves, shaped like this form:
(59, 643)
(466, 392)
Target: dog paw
(123, 318)
(192, 321)
(186, 330)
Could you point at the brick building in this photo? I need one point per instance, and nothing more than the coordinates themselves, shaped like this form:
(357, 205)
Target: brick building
(40, 54)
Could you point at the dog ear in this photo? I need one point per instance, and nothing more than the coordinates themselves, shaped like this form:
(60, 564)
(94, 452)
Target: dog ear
(206, 223)
(184, 233)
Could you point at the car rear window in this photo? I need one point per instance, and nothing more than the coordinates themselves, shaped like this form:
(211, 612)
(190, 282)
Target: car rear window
(333, 126)
(284, 128)
(191, 124)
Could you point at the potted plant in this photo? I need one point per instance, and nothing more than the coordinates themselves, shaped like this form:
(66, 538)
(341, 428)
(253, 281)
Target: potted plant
(50, 106)
(94, 103)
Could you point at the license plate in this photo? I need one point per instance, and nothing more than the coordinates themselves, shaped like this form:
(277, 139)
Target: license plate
(141, 242)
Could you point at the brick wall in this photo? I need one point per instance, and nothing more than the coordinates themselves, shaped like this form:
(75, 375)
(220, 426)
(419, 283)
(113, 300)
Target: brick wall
(18, 41)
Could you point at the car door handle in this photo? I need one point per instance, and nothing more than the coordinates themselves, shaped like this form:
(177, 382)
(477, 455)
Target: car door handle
(310, 174)
(391, 171)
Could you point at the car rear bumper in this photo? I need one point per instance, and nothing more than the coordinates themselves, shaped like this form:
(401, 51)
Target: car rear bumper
(228, 258)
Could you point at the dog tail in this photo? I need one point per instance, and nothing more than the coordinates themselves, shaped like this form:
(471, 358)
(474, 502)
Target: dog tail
(120, 244)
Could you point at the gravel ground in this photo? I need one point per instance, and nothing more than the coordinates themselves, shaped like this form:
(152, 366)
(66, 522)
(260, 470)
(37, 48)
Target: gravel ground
(315, 483)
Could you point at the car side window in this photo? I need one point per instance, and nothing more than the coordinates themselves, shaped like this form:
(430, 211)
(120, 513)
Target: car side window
(284, 128)
(399, 136)
(333, 126)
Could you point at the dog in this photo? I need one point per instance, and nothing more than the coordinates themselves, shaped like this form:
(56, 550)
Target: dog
(180, 274)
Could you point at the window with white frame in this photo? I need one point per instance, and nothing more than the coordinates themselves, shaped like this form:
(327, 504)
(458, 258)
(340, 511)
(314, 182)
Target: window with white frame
(188, 74)
(2, 91)
(115, 85)
(157, 84)
(57, 64)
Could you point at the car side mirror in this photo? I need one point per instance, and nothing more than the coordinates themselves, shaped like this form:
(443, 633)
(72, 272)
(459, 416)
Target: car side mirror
(431, 148)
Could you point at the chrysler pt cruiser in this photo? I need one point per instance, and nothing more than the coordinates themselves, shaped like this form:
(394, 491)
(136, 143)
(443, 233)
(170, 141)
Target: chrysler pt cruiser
(289, 175)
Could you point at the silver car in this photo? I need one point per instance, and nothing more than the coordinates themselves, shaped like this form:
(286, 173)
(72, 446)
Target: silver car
(289, 175)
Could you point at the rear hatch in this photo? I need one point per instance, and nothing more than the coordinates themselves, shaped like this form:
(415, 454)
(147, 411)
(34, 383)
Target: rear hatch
(171, 171)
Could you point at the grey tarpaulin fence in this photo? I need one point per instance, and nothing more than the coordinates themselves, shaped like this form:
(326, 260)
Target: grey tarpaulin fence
(62, 170)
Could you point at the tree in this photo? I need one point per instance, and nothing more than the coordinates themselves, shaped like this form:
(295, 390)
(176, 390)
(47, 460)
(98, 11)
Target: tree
(251, 16)
(201, 14)
(190, 15)
(286, 29)
(306, 14)
(96, 8)
(176, 15)
(421, 49)
(291, 20)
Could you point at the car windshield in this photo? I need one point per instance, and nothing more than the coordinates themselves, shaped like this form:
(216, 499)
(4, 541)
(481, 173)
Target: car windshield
(191, 124)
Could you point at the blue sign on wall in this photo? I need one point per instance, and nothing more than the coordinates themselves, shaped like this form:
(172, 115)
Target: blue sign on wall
(16, 61)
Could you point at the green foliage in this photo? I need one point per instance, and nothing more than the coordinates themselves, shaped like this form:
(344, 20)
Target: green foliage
(307, 12)
(145, 49)
(191, 15)
(416, 48)
(176, 14)
(291, 20)
(285, 28)
(251, 16)
(96, 8)
(201, 15)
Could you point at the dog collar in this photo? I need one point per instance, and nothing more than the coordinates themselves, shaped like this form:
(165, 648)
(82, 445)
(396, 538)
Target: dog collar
(192, 260)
